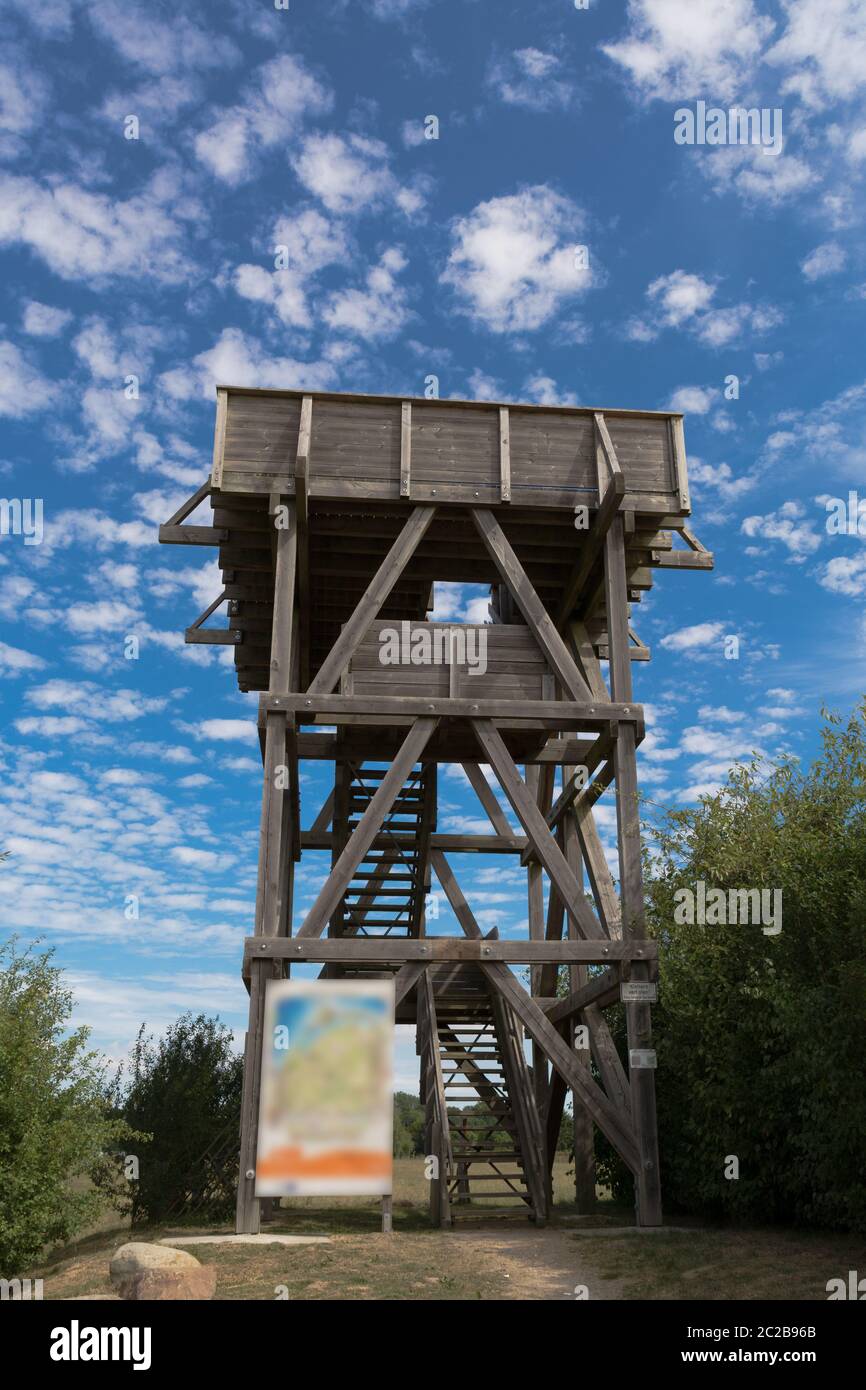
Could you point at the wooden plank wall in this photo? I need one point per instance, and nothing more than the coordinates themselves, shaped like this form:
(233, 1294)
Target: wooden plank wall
(456, 450)
(515, 666)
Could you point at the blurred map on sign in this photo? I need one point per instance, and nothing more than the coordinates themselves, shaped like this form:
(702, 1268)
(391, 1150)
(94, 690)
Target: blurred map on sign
(326, 1112)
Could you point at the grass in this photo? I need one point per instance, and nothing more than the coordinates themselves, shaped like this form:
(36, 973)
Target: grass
(497, 1255)
(770, 1263)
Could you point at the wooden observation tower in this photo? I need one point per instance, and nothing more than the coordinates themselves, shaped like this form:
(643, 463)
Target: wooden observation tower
(334, 516)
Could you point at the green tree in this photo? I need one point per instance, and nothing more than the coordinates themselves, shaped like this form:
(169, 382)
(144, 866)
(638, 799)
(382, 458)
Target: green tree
(760, 1036)
(184, 1090)
(55, 1122)
(408, 1125)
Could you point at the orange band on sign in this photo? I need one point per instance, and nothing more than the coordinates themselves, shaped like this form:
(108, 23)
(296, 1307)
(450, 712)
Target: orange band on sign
(292, 1162)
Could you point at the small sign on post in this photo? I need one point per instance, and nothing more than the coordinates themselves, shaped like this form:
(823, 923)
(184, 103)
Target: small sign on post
(638, 992)
(642, 1057)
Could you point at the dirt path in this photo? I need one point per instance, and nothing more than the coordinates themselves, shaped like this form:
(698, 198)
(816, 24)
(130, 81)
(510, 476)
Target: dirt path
(546, 1264)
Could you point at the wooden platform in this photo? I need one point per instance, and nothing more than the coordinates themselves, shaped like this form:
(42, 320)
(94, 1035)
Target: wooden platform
(357, 465)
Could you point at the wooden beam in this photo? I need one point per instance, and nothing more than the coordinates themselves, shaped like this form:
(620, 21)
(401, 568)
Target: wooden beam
(588, 661)
(536, 828)
(379, 743)
(537, 617)
(529, 714)
(407, 978)
(612, 1121)
(188, 507)
(481, 787)
(365, 832)
(638, 1016)
(593, 544)
(202, 535)
(323, 819)
(584, 1138)
(371, 601)
(284, 583)
(302, 492)
(598, 871)
(504, 455)
(456, 844)
(542, 1032)
(406, 449)
(441, 949)
(602, 989)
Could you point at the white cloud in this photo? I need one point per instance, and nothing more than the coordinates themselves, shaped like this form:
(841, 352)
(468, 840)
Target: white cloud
(719, 714)
(51, 726)
(756, 177)
(273, 110)
(824, 49)
(14, 661)
(97, 529)
(845, 575)
(23, 97)
(513, 263)
(195, 858)
(530, 78)
(105, 615)
(43, 320)
(308, 242)
(351, 174)
(155, 102)
(86, 236)
(680, 296)
(684, 300)
(544, 391)
(483, 387)
(693, 400)
(678, 49)
(697, 637)
(225, 730)
(88, 700)
(377, 312)
(159, 45)
(719, 476)
(824, 260)
(831, 435)
(787, 526)
(238, 359)
(23, 388)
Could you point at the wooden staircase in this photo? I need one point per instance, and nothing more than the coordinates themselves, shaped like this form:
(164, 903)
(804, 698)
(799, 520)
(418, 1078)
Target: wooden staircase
(481, 1124)
(387, 892)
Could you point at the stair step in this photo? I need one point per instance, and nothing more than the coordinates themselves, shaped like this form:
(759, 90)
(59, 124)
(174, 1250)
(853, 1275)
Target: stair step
(391, 876)
(497, 1196)
(489, 1156)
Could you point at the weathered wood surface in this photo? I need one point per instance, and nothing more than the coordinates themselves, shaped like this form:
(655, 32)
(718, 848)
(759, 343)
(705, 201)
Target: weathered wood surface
(461, 451)
(399, 949)
(566, 514)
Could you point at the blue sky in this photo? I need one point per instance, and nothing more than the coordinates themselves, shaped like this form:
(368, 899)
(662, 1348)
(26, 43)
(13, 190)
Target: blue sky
(153, 258)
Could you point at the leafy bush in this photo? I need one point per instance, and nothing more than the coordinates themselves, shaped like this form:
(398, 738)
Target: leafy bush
(184, 1090)
(760, 1038)
(55, 1122)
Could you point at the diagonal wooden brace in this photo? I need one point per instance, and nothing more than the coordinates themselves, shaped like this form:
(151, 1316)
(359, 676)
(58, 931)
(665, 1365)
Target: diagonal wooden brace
(541, 624)
(537, 829)
(371, 601)
(367, 828)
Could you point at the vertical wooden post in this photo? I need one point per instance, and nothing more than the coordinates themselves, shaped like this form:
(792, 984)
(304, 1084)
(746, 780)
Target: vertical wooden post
(584, 1136)
(638, 1018)
(274, 862)
(463, 1168)
(535, 889)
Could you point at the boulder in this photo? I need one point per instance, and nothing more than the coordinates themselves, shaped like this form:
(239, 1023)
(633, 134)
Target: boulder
(142, 1272)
